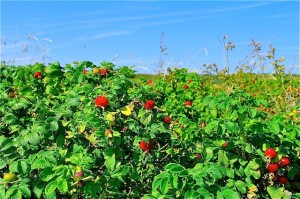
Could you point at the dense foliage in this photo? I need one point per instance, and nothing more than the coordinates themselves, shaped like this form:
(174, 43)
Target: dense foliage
(87, 131)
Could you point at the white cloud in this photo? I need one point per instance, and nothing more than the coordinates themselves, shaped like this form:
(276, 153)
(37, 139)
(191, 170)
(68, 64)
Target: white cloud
(104, 35)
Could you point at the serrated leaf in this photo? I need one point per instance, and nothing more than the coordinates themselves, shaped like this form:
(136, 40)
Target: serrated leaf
(40, 164)
(38, 189)
(222, 158)
(50, 188)
(46, 174)
(156, 183)
(252, 112)
(25, 191)
(62, 186)
(2, 193)
(174, 168)
(17, 195)
(205, 193)
(2, 164)
(210, 126)
(11, 192)
(241, 186)
(191, 194)
(23, 166)
(110, 162)
(209, 153)
(274, 127)
(242, 109)
(230, 194)
(164, 185)
(38, 129)
(276, 193)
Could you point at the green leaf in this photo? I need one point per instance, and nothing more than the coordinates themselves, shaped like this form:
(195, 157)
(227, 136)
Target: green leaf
(40, 164)
(191, 194)
(210, 126)
(24, 166)
(252, 112)
(110, 162)
(38, 189)
(209, 153)
(11, 192)
(241, 186)
(274, 127)
(174, 168)
(123, 170)
(231, 127)
(230, 194)
(205, 193)
(73, 102)
(2, 164)
(53, 126)
(9, 119)
(222, 158)
(164, 185)
(242, 109)
(146, 119)
(38, 129)
(17, 195)
(6, 146)
(276, 193)
(50, 188)
(34, 139)
(2, 192)
(62, 186)
(25, 191)
(46, 174)
(156, 183)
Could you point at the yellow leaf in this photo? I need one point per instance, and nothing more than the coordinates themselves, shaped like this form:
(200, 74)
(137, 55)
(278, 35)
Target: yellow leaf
(110, 117)
(70, 134)
(82, 128)
(126, 110)
(92, 138)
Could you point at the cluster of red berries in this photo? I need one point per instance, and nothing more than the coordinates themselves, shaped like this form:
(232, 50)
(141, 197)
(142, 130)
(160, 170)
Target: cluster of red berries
(146, 147)
(274, 166)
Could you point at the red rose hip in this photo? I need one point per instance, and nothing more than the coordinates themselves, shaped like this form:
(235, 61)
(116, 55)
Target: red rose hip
(146, 147)
(167, 120)
(103, 72)
(225, 144)
(101, 101)
(283, 162)
(270, 152)
(272, 168)
(282, 179)
(37, 74)
(149, 104)
(188, 103)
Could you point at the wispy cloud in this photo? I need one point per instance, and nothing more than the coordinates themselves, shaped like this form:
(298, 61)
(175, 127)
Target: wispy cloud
(104, 35)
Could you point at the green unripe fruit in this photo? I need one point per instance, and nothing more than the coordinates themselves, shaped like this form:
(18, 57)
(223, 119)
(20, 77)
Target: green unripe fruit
(9, 177)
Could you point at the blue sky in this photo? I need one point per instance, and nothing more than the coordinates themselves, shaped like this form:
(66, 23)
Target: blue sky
(129, 32)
